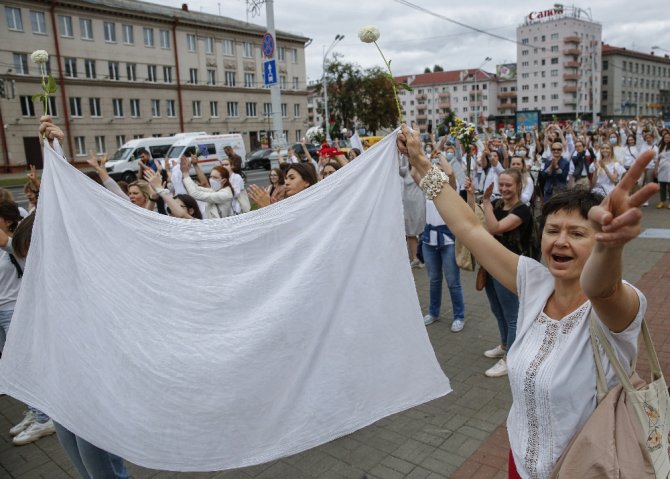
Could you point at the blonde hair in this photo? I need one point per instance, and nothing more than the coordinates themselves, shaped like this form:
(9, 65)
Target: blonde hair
(144, 187)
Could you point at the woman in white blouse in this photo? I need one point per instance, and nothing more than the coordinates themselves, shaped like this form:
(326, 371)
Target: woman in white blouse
(551, 371)
(606, 171)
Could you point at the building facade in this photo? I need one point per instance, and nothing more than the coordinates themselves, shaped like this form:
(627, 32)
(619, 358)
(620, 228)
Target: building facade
(558, 63)
(634, 83)
(128, 69)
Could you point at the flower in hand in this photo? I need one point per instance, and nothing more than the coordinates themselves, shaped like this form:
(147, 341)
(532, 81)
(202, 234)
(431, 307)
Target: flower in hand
(41, 57)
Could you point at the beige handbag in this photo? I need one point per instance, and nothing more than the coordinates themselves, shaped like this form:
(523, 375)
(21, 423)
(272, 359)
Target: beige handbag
(464, 259)
(627, 434)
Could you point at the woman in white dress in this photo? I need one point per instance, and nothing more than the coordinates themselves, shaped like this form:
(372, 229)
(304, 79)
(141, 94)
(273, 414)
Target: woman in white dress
(606, 171)
(551, 373)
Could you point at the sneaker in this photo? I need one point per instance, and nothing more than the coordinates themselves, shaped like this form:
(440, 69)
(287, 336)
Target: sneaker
(428, 319)
(497, 352)
(35, 431)
(416, 263)
(457, 326)
(498, 369)
(646, 203)
(27, 420)
(660, 206)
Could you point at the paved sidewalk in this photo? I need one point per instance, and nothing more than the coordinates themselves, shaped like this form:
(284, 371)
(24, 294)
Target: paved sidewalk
(460, 435)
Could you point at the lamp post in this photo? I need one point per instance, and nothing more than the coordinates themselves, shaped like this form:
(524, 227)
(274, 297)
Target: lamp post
(660, 48)
(474, 86)
(338, 38)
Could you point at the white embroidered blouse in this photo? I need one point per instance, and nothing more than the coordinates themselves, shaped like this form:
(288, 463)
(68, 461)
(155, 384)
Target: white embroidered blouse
(552, 373)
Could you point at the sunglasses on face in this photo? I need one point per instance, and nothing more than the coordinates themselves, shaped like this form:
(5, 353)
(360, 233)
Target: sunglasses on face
(556, 149)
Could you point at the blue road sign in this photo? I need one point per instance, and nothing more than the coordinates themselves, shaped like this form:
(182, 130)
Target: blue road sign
(269, 72)
(268, 45)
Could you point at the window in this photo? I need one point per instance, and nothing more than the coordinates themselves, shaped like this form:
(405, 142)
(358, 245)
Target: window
(110, 32)
(229, 78)
(247, 50)
(155, 108)
(14, 21)
(214, 109)
(524, 64)
(211, 77)
(135, 107)
(53, 111)
(554, 48)
(282, 82)
(267, 109)
(191, 42)
(131, 71)
(169, 108)
(554, 61)
(94, 104)
(296, 83)
(70, 67)
(281, 54)
(38, 22)
(113, 70)
(165, 38)
(525, 87)
(209, 45)
(524, 53)
(75, 106)
(284, 110)
(228, 47)
(249, 80)
(100, 145)
(232, 109)
(298, 135)
(117, 104)
(554, 96)
(80, 145)
(193, 75)
(27, 106)
(120, 140)
(524, 41)
(554, 36)
(21, 63)
(605, 80)
(148, 37)
(128, 34)
(86, 28)
(151, 73)
(544, 38)
(167, 74)
(251, 109)
(554, 73)
(65, 25)
(524, 99)
(89, 67)
(294, 55)
(296, 110)
(196, 108)
(554, 108)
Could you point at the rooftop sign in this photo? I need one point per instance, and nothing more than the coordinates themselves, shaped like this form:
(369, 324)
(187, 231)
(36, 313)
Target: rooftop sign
(535, 16)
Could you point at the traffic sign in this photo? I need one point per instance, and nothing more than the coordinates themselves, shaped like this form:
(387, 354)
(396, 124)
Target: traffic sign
(269, 72)
(268, 45)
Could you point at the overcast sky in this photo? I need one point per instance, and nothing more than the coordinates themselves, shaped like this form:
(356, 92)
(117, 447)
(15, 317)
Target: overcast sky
(414, 40)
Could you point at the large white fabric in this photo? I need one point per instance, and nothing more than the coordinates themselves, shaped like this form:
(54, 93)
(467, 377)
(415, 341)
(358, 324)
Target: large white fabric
(272, 332)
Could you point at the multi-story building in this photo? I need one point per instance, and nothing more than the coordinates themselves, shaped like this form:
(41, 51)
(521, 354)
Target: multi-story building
(128, 69)
(558, 61)
(634, 83)
(469, 94)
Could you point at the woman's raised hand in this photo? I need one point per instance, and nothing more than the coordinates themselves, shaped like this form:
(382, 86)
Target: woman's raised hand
(409, 143)
(184, 164)
(488, 192)
(153, 179)
(50, 131)
(617, 218)
(259, 195)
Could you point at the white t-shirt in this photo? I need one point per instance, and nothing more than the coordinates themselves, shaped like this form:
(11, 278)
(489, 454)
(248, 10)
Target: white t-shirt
(434, 218)
(603, 183)
(552, 372)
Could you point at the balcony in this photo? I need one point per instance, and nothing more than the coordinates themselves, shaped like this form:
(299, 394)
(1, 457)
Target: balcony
(572, 39)
(421, 96)
(571, 64)
(507, 106)
(444, 94)
(421, 106)
(572, 51)
(507, 94)
(570, 77)
(444, 104)
(570, 89)
(421, 116)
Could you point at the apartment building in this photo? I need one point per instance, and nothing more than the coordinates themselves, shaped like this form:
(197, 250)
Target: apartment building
(634, 83)
(558, 62)
(129, 69)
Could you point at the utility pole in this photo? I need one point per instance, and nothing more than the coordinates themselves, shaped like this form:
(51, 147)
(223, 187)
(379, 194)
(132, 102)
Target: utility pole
(275, 90)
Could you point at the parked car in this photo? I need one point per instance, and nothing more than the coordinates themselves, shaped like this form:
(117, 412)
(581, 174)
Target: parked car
(259, 159)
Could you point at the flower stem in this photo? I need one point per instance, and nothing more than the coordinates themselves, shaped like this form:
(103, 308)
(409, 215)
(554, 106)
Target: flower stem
(45, 97)
(395, 91)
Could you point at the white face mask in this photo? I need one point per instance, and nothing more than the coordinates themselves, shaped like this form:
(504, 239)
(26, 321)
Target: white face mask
(521, 153)
(215, 184)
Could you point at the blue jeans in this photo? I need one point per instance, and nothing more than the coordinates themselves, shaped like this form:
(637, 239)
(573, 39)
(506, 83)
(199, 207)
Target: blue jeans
(437, 260)
(505, 307)
(90, 461)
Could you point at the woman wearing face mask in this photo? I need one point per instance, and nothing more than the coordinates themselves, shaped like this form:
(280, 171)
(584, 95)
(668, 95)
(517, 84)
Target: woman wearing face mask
(606, 171)
(219, 196)
(528, 189)
(615, 143)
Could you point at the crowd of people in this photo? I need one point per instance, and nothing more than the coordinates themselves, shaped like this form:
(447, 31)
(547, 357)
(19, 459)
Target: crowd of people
(563, 172)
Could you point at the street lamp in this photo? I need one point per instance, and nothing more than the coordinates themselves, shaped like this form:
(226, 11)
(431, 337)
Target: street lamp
(660, 48)
(338, 38)
(486, 60)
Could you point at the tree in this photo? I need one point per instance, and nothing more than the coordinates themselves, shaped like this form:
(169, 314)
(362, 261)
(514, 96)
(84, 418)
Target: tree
(447, 120)
(427, 70)
(437, 68)
(377, 105)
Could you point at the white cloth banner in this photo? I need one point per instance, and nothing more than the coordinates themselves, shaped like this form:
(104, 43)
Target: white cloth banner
(356, 142)
(205, 345)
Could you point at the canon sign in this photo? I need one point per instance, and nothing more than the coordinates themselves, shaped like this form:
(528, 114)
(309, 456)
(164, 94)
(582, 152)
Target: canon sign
(532, 16)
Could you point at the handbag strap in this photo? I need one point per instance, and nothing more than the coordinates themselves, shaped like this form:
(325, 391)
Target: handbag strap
(601, 379)
(611, 355)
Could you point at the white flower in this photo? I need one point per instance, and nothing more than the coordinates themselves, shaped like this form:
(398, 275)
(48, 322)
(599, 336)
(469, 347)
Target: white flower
(40, 57)
(369, 34)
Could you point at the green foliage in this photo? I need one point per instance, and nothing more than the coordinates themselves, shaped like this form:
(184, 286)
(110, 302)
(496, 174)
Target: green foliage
(448, 119)
(427, 70)
(437, 68)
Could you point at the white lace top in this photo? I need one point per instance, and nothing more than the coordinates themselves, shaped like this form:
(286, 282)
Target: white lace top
(552, 372)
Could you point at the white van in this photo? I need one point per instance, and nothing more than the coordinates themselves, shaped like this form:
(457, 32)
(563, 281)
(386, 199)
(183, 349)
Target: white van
(123, 164)
(212, 144)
